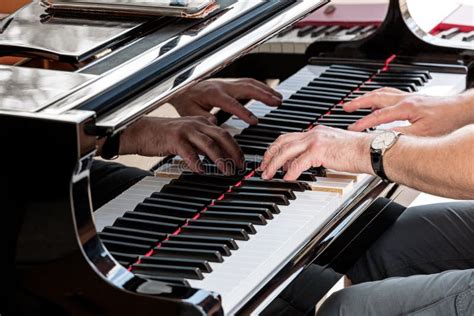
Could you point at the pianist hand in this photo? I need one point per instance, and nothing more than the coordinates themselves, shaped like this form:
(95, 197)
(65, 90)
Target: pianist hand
(186, 137)
(428, 115)
(225, 94)
(322, 146)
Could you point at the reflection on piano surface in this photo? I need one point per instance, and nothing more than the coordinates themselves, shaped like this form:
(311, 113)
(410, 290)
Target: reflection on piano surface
(182, 243)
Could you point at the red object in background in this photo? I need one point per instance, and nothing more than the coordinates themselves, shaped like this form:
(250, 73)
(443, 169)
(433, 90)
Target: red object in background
(347, 15)
(462, 18)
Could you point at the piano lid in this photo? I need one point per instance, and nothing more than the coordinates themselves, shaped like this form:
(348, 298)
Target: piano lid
(130, 88)
(29, 90)
(31, 31)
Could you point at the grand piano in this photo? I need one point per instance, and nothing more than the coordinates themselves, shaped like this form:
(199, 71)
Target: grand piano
(180, 243)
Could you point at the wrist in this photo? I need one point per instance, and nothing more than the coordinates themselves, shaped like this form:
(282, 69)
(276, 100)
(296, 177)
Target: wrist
(466, 103)
(363, 152)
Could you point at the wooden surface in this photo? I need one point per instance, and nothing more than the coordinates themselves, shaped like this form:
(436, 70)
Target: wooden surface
(10, 6)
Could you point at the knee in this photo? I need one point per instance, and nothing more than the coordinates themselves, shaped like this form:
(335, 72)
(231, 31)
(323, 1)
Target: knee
(340, 303)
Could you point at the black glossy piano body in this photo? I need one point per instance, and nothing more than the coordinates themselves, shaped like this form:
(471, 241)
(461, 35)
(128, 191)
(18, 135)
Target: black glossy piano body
(56, 261)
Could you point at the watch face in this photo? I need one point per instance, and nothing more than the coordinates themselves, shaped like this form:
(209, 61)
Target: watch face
(383, 141)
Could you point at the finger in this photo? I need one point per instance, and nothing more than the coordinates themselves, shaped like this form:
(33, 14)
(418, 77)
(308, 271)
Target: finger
(189, 154)
(232, 106)
(300, 165)
(229, 147)
(198, 111)
(377, 100)
(382, 116)
(247, 91)
(210, 148)
(288, 152)
(263, 86)
(276, 147)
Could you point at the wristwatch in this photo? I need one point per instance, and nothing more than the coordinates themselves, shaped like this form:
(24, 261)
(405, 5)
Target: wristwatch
(380, 145)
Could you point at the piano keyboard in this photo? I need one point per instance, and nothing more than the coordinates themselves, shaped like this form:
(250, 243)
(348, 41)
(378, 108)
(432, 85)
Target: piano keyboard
(297, 39)
(232, 234)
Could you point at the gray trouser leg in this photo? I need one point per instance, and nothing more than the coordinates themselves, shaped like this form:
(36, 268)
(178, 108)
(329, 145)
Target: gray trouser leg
(424, 240)
(446, 293)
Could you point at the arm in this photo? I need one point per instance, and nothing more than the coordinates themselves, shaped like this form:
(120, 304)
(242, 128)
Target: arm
(428, 115)
(187, 137)
(442, 166)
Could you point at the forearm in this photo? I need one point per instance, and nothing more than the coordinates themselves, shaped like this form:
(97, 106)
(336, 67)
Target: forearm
(443, 166)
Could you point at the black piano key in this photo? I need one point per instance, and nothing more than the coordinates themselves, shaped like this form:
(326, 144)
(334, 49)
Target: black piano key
(451, 33)
(214, 179)
(412, 72)
(277, 191)
(174, 203)
(305, 121)
(252, 143)
(191, 191)
(305, 176)
(229, 242)
(318, 172)
(155, 218)
(278, 199)
(266, 213)
(305, 108)
(145, 224)
(125, 259)
(168, 271)
(168, 280)
(203, 265)
(401, 76)
(291, 112)
(188, 253)
(203, 185)
(248, 227)
(368, 29)
(235, 233)
(468, 38)
(330, 119)
(340, 111)
(176, 211)
(319, 31)
(280, 128)
(366, 73)
(223, 249)
(285, 32)
(272, 207)
(285, 122)
(376, 85)
(345, 76)
(126, 247)
(308, 102)
(354, 30)
(337, 81)
(308, 96)
(177, 197)
(417, 81)
(323, 92)
(134, 232)
(255, 219)
(349, 116)
(257, 131)
(128, 239)
(337, 91)
(253, 150)
(334, 85)
(355, 68)
(262, 139)
(291, 185)
(305, 31)
(333, 30)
